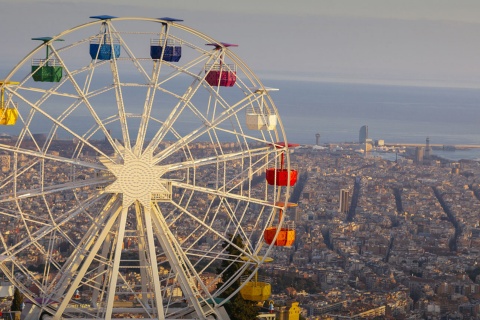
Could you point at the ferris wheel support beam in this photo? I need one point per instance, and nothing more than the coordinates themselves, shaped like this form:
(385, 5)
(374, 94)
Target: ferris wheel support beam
(153, 84)
(153, 263)
(145, 277)
(177, 260)
(86, 263)
(116, 262)
(129, 52)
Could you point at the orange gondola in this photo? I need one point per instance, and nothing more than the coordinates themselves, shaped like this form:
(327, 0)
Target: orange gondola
(286, 234)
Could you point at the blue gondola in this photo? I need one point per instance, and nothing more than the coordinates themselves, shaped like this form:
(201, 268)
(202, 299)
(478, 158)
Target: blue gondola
(103, 47)
(173, 50)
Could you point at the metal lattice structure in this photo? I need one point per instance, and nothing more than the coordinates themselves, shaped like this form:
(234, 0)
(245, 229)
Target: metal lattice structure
(129, 173)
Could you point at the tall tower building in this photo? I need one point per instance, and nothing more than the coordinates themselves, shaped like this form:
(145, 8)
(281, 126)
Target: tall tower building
(363, 134)
(344, 201)
(317, 139)
(428, 150)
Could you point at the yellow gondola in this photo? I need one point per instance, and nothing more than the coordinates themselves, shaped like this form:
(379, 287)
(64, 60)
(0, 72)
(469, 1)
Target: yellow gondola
(8, 116)
(258, 288)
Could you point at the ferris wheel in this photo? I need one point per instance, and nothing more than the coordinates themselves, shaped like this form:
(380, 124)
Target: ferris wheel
(142, 163)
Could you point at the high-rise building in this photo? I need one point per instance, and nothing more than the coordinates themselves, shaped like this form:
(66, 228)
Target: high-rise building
(363, 134)
(317, 139)
(344, 201)
(419, 154)
(428, 150)
(296, 213)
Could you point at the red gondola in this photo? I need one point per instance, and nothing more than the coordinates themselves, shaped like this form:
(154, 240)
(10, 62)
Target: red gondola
(221, 74)
(281, 176)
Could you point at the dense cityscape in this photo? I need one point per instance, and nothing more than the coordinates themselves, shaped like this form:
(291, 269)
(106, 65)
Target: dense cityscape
(374, 237)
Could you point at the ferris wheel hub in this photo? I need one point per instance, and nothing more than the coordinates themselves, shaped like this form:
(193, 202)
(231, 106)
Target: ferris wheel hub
(138, 178)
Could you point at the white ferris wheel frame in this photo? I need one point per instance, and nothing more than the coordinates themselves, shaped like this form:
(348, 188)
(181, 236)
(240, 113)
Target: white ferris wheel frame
(119, 197)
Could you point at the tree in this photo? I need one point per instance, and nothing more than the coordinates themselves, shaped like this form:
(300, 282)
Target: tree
(17, 301)
(237, 308)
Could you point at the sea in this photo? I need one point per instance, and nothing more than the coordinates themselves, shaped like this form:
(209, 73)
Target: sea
(395, 114)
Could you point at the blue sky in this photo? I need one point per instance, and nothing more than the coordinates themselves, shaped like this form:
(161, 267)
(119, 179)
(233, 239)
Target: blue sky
(426, 42)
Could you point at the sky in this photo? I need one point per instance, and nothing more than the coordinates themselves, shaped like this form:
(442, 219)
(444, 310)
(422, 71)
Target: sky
(412, 42)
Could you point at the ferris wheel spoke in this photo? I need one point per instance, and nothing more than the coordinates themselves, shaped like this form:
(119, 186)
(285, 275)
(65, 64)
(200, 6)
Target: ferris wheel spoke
(147, 247)
(86, 264)
(147, 109)
(46, 156)
(185, 69)
(221, 194)
(86, 101)
(119, 96)
(62, 220)
(183, 102)
(11, 178)
(62, 125)
(70, 267)
(58, 188)
(130, 53)
(174, 114)
(177, 259)
(195, 134)
(226, 157)
(245, 137)
(46, 93)
(221, 235)
(117, 257)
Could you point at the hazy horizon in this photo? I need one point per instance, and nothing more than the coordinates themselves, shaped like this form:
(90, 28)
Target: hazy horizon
(432, 43)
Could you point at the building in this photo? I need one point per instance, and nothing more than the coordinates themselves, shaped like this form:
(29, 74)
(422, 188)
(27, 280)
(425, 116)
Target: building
(5, 162)
(344, 201)
(363, 134)
(428, 149)
(419, 154)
